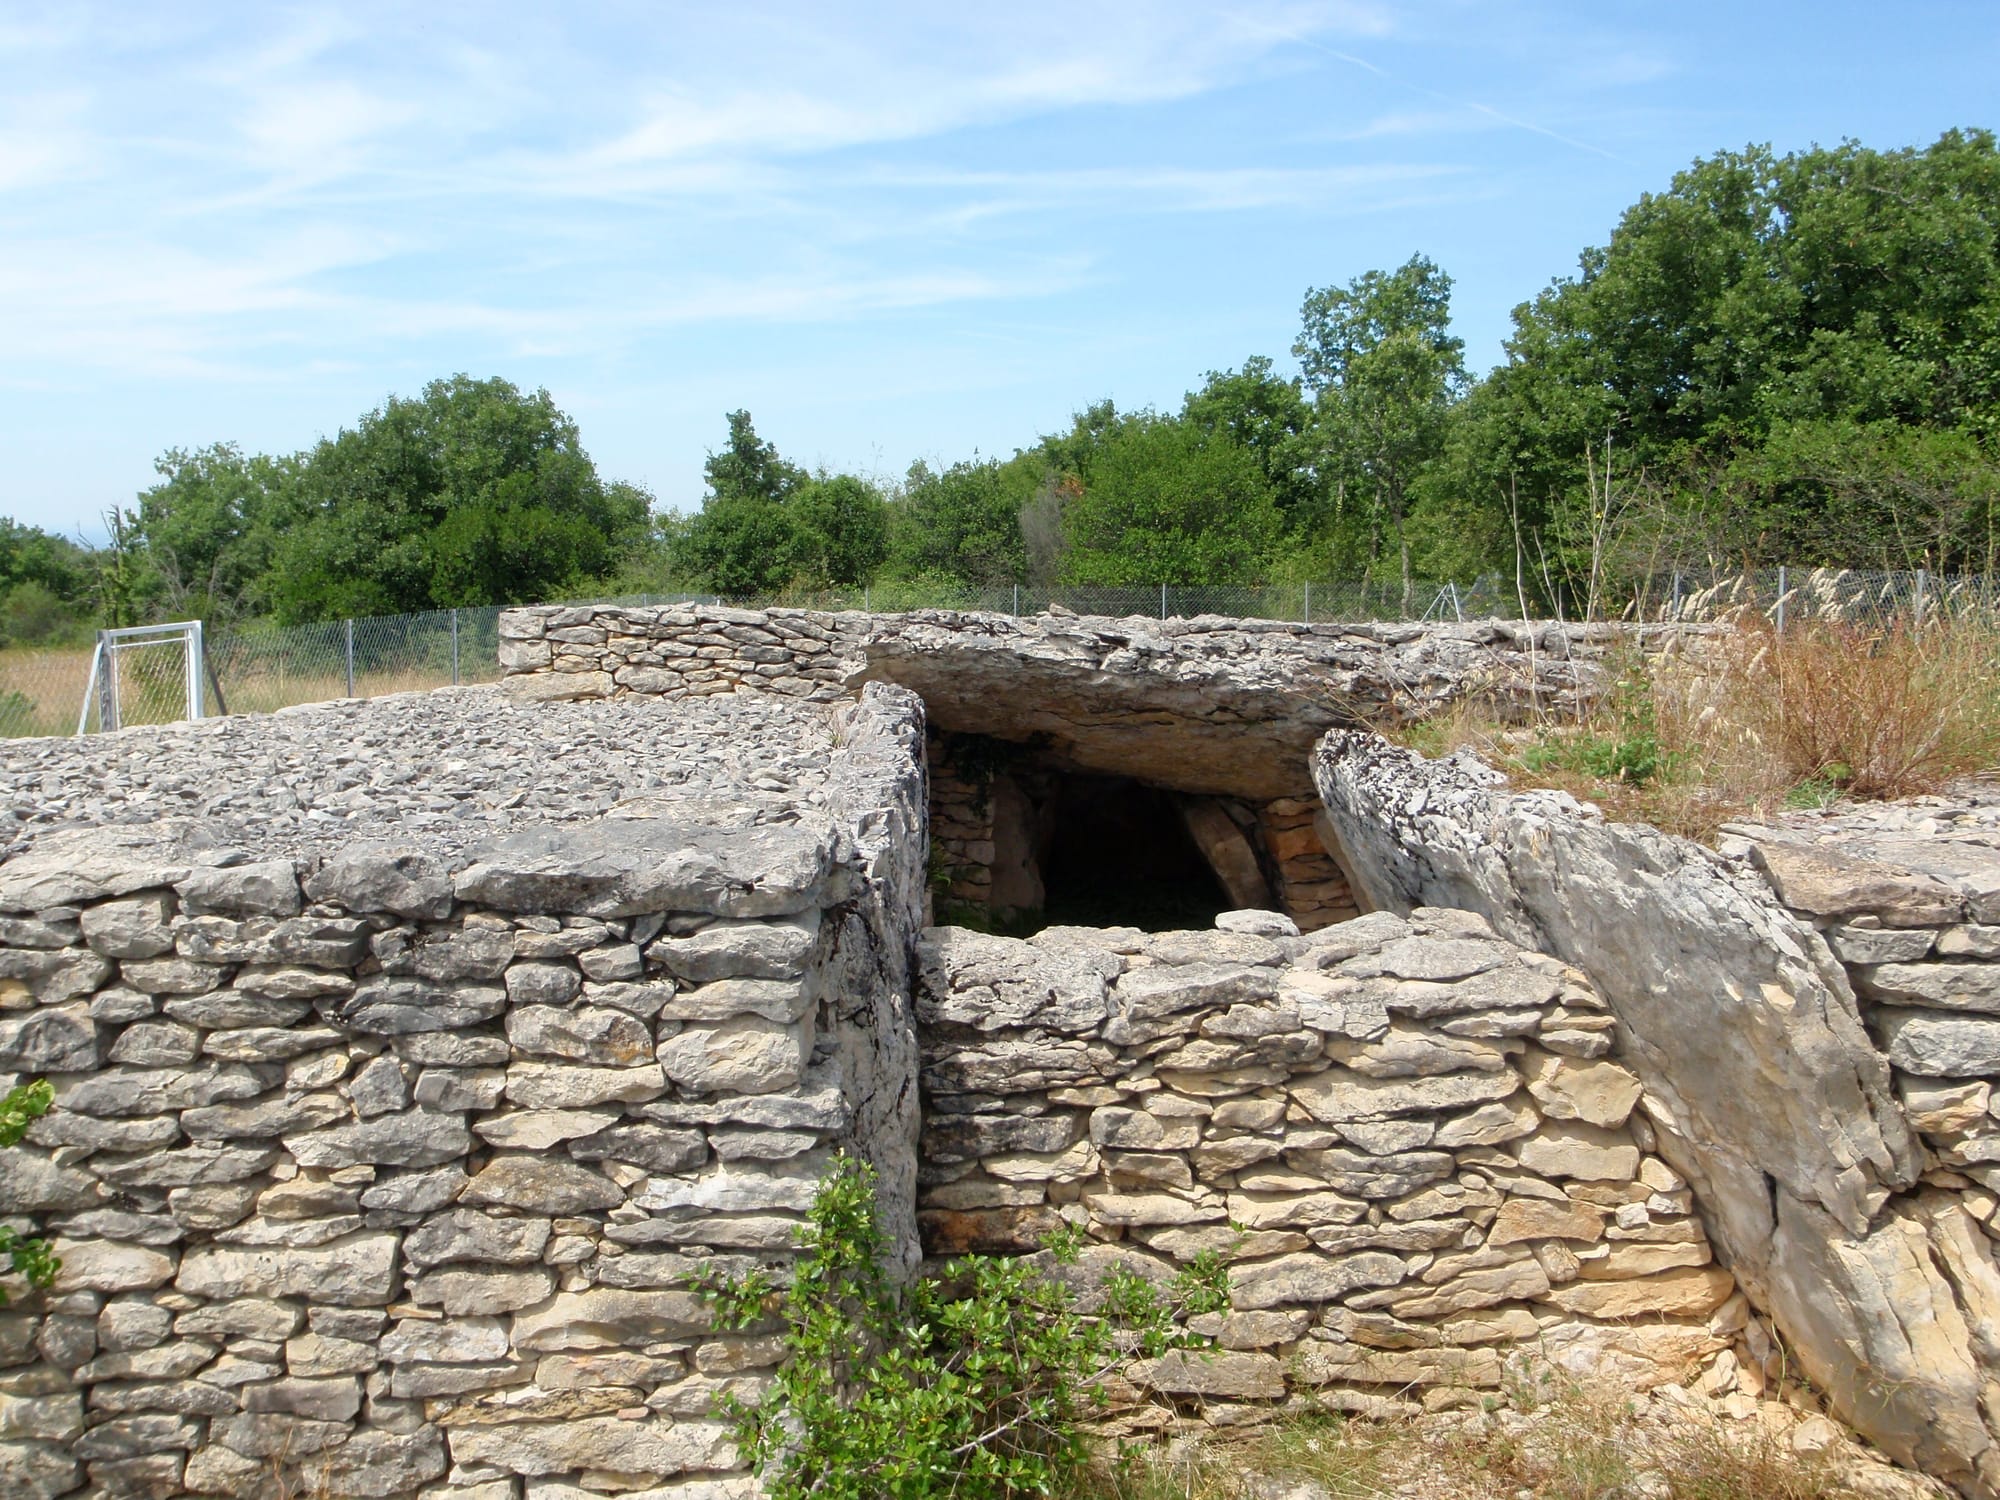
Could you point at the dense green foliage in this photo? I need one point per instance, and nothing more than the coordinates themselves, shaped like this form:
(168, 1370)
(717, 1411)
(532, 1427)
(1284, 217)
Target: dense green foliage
(970, 1386)
(1775, 359)
(30, 1258)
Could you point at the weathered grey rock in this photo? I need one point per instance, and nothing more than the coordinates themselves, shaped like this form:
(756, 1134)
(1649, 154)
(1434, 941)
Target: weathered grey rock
(138, 927)
(355, 1272)
(780, 1000)
(658, 1446)
(993, 983)
(389, 1006)
(51, 1039)
(611, 1319)
(657, 1148)
(127, 1092)
(467, 1234)
(740, 950)
(465, 953)
(542, 983)
(535, 1085)
(383, 878)
(51, 976)
(69, 866)
(154, 1044)
(170, 976)
(414, 1138)
(587, 1034)
(1338, 1095)
(1772, 1100)
(279, 1115)
(1948, 986)
(1938, 1045)
(378, 1087)
(620, 867)
(269, 887)
(1308, 1279)
(748, 1055)
(539, 1129)
(541, 1185)
(458, 1292)
(419, 1192)
(1826, 883)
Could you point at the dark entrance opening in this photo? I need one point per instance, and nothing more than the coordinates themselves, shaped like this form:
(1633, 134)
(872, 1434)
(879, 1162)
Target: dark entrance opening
(1117, 853)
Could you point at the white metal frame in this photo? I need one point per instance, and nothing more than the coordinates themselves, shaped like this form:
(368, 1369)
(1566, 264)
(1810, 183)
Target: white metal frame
(104, 667)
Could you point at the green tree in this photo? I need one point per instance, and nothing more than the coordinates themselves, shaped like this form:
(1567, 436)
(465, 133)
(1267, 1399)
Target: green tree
(745, 539)
(840, 529)
(45, 586)
(1166, 503)
(1809, 304)
(1385, 370)
(1266, 413)
(210, 527)
(964, 522)
(475, 492)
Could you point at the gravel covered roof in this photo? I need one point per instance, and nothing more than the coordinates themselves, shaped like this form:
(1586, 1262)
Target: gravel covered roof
(441, 771)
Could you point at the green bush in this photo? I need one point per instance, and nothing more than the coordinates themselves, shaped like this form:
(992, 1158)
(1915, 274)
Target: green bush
(972, 1385)
(30, 1257)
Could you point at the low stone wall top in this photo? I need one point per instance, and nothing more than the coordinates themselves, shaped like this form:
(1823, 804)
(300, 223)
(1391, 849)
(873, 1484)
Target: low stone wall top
(1404, 1135)
(1230, 707)
(381, 1171)
(435, 772)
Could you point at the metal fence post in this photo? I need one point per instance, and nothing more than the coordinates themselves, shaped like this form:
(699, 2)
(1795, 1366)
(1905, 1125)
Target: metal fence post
(1163, 601)
(1017, 598)
(350, 658)
(1677, 594)
(1781, 598)
(454, 648)
(1309, 604)
(196, 654)
(107, 686)
(1922, 578)
(1457, 608)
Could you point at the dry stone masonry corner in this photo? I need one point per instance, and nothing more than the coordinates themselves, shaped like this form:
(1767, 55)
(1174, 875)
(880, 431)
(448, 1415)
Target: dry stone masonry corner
(1811, 1009)
(377, 1167)
(410, 1055)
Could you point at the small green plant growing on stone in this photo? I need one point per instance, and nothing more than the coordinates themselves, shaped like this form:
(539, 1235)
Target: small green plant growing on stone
(973, 1385)
(23, 1105)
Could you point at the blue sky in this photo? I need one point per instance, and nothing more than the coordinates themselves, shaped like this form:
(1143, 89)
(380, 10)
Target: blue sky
(891, 232)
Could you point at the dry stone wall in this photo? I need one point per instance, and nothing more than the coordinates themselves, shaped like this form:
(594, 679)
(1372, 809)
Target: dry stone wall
(379, 1169)
(1404, 1134)
(1207, 705)
(1837, 1141)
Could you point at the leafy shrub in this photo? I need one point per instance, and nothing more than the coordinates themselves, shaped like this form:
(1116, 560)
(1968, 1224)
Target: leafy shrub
(23, 1105)
(972, 1385)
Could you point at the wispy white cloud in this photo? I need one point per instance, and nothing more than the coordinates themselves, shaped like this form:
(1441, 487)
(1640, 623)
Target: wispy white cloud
(206, 192)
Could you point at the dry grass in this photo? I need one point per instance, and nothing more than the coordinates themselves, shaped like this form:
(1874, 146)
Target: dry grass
(1750, 723)
(1570, 1443)
(41, 691)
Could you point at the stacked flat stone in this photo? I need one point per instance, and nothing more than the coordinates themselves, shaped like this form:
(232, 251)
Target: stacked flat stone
(1404, 1135)
(1908, 898)
(1804, 1009)
(596, 651)
(380, 1171)
(1310, 887)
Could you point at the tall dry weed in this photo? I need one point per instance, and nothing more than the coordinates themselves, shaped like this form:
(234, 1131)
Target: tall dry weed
(1887, 712)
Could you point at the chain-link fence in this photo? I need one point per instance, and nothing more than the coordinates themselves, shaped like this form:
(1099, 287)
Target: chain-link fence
(1791, 596)
(258, 668)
